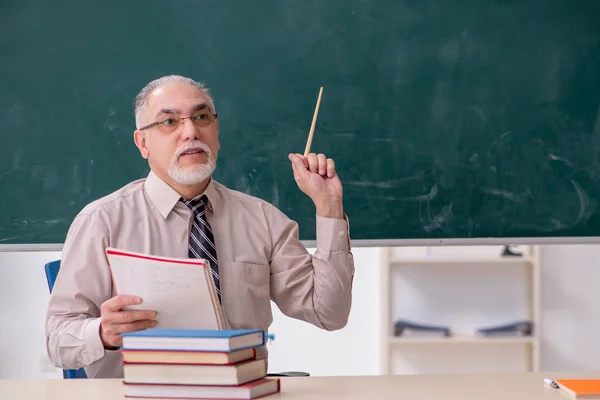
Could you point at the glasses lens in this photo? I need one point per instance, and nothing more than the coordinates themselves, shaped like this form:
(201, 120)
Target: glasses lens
(169, 124)
(202, 118)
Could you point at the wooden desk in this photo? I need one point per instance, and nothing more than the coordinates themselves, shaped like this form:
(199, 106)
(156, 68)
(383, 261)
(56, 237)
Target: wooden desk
(529, 386)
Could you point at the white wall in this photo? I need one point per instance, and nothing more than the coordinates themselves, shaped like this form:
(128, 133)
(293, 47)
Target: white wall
(570, 318)
(571, 307)
(23, 299)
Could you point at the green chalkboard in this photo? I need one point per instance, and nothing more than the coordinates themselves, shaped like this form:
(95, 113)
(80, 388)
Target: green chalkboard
(447, 119)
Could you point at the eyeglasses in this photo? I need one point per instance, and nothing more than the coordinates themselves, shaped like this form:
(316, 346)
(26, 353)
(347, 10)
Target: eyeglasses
(170, 123)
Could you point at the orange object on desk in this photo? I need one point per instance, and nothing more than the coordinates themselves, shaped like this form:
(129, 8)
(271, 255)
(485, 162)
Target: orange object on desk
(580, 388)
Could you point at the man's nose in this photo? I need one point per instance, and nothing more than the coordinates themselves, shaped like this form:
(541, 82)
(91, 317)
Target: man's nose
(188, 131)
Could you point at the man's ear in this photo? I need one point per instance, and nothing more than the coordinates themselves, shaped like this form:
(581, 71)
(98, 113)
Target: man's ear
(139, 138)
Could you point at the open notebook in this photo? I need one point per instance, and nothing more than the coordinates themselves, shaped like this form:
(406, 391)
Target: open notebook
(180, 290)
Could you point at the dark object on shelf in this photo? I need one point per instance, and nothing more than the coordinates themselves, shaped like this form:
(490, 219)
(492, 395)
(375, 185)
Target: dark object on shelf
(510, 253)
(520, 328)
(406, 328)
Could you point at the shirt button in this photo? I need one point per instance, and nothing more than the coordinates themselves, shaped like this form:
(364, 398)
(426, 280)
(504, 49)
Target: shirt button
(341, 233)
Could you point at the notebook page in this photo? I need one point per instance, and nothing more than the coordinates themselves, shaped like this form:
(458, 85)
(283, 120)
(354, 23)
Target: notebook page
(182, 291)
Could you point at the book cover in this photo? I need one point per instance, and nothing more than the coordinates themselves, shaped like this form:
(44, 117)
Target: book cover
(195, 333)
(193, 339)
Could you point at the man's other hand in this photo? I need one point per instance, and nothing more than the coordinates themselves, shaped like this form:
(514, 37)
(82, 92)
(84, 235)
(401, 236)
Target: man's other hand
(114, 320)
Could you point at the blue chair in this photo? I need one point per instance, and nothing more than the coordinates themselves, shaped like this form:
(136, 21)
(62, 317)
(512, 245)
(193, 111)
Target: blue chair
(52, 269)
(51, 272)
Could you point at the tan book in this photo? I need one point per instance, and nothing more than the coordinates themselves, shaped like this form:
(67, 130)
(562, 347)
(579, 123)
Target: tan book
(186, 357)
(197, 374)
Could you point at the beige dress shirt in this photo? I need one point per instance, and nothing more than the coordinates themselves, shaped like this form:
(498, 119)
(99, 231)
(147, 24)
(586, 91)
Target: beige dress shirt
(260, 259)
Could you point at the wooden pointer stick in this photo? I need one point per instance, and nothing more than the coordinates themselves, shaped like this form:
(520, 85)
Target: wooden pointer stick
(312, 127)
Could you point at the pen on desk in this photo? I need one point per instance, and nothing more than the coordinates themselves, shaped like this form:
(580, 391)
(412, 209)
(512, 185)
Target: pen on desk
(551, 383)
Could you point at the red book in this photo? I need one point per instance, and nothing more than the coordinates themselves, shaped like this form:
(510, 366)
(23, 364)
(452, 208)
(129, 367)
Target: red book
(195, 374)
(251, 390)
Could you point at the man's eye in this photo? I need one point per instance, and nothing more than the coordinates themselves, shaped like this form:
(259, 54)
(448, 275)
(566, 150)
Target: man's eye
(201, 117)
(169, 121)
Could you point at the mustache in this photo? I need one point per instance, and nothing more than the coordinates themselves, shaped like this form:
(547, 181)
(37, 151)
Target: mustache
(195, 145)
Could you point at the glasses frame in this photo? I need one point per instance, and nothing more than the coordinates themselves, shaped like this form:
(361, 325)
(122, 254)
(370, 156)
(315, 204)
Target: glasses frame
(156, 123)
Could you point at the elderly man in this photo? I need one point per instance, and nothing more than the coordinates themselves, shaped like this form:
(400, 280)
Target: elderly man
(253, 247)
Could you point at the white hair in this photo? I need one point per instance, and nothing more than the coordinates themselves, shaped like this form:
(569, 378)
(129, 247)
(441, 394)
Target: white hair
(141, 100)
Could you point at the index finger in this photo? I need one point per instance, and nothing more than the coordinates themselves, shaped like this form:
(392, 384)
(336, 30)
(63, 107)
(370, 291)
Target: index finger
(118, 302)
(299, 161)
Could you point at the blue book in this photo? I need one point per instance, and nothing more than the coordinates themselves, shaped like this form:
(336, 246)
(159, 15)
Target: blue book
(193, 339)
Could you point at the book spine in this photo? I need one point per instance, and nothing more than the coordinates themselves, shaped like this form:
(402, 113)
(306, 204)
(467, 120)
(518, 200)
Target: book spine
(213, 296)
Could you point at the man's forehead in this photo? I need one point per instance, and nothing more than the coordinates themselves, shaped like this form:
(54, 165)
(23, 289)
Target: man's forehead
(176, 96)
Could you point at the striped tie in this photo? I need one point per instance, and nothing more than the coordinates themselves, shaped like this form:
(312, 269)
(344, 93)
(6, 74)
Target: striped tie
(201, 242)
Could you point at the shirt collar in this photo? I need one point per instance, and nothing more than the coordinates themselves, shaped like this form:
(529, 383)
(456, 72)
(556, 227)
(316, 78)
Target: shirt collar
(165, 197)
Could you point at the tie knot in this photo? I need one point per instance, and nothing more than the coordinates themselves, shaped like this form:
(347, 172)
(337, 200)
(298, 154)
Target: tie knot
(196, 205)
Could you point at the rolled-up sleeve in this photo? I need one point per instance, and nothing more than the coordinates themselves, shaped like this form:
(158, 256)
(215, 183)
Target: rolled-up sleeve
(83, 284)
(317, 288)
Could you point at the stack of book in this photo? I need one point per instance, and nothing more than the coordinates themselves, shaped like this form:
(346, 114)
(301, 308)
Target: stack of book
(191, 364)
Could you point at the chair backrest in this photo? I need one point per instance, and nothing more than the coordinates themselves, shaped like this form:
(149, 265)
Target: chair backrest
(52, 272)
(52, 269)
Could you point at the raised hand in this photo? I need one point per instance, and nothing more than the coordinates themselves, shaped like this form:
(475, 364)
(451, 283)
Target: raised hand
(315, 175)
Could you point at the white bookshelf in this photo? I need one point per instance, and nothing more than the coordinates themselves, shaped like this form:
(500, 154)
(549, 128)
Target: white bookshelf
(462, 287)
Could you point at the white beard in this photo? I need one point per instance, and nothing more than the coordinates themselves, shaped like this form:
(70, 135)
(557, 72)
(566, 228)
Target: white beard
(196, 173)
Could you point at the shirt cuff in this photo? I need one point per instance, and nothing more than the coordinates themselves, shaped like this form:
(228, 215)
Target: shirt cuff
(333, 234)
(94, 349)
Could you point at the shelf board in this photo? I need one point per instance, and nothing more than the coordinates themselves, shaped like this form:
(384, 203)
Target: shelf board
(460, 339)
(461, 261)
